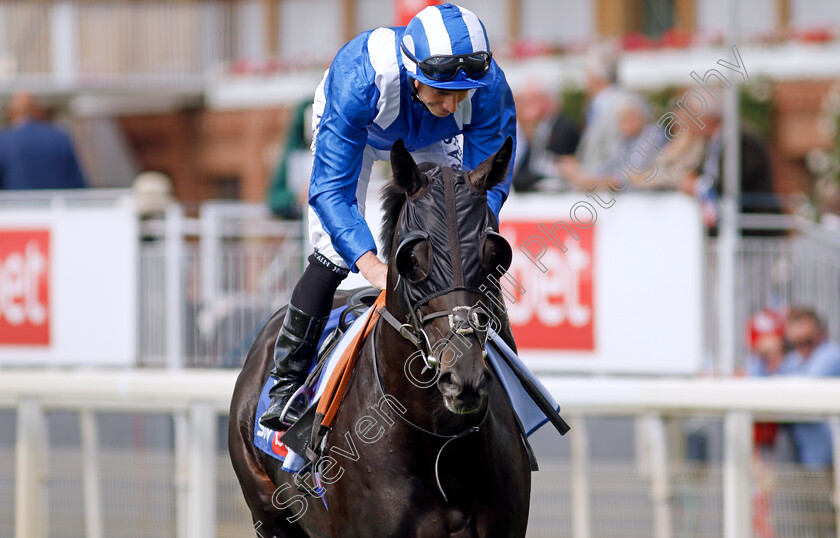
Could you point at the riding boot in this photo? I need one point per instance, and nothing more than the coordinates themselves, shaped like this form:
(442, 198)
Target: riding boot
(294, 349)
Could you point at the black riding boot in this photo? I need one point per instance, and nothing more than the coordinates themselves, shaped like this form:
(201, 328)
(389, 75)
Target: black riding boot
(296, 343)
(294, 349)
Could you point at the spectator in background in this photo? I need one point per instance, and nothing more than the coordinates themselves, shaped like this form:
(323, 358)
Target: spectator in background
(756, 195)
(543, 135)
(601, 137)
(33, 153)
(767, 344)
(679, 158)
(827, 193)
(814, 356)
(635, 129)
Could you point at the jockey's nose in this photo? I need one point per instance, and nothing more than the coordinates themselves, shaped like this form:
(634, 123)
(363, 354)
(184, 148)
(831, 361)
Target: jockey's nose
(450, 103)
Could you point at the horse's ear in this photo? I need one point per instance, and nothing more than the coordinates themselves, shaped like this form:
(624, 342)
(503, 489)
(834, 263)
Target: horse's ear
(493, 169)
(406, 173)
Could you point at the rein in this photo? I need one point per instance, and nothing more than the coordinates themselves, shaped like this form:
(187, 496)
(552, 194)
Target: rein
(413, 426)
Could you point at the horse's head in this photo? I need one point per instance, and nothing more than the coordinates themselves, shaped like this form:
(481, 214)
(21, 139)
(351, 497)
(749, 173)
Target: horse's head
(445, 257)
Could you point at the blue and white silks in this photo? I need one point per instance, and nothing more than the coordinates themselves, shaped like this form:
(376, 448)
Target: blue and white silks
(366, 99)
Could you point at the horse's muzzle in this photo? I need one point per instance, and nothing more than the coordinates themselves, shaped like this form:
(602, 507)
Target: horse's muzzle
(464, 396)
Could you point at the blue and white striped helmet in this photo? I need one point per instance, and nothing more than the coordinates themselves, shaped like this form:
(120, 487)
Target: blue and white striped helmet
(441, 31)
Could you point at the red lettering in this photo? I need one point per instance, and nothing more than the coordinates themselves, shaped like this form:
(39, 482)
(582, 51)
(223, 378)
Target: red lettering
(556, 310)
(24, 287)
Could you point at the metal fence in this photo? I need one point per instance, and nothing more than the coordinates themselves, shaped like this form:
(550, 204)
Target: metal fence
(226, 270)
(776, 272)
(81, 486)
(70, 44)
(209, 283)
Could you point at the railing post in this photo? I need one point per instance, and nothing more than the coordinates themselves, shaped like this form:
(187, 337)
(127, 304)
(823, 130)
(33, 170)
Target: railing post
(175, 296)
(64, 39)
(579, 441)
(737, 474)
(835, 447)
(182, 470)
(660, 491)
(728, 225)
(90, 464)
(210, 261)
(201, 504)
(30, 477)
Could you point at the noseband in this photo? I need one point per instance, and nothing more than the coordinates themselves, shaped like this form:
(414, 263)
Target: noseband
(384, 314)
(463, 321)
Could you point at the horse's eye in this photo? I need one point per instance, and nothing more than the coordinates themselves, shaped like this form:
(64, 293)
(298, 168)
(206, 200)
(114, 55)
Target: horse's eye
(414, 260)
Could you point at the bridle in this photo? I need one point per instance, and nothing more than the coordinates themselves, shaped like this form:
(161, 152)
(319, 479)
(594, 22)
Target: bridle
(464, 320)
(412, 425)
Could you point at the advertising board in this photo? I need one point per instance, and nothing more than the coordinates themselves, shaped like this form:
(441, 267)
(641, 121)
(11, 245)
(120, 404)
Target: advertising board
(68, 281)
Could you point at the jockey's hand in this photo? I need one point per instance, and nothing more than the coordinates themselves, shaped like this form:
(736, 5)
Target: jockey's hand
(373, 270)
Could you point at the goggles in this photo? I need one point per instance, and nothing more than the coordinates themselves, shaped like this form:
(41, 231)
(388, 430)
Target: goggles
(444, 68)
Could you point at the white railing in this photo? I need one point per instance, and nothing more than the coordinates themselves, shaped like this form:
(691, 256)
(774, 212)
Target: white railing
(75, 45)
(195, 398)
(208, 283)
(219, 275)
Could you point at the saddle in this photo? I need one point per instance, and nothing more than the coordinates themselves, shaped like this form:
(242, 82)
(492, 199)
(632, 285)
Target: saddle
(308, 432)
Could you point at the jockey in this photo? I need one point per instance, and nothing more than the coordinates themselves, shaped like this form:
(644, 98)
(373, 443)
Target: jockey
(425, 83)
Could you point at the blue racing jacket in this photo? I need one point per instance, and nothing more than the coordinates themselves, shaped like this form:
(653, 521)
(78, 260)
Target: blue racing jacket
(368, 100)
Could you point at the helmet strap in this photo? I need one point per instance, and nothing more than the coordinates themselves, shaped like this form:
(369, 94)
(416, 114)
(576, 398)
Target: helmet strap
(414, 96)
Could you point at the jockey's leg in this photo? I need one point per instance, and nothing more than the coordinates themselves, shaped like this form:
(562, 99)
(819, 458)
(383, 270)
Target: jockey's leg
(295, 346)
(309, 310)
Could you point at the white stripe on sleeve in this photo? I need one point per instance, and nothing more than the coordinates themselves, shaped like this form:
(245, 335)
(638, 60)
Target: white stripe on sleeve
(382, 49)
(463, 116)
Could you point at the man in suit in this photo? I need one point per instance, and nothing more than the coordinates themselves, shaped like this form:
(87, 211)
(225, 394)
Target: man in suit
(35, 154)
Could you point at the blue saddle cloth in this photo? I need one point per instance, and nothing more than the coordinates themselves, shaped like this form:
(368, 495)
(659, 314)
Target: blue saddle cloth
(530, 415)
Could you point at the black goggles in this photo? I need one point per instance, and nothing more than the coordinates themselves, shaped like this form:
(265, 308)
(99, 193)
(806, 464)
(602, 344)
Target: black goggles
(443, 68)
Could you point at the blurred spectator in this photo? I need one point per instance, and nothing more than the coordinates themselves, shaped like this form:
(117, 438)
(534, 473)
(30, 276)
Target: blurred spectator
(756, 195)
(636, 131)
(767, 352)
(601, 137)
(679, 158)
(813, 355)
(827, 193)
(767, 345)
(284, 199)
(152, 193)
(543, 134)
(33, 153)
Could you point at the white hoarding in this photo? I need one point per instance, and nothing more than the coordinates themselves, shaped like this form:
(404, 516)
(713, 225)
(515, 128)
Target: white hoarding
(626, 296)
(68, 273)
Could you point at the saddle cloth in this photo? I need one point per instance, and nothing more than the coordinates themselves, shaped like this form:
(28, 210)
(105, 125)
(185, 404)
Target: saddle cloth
(530, 415)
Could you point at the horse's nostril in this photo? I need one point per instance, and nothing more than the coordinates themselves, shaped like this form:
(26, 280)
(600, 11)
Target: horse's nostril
(449, 384)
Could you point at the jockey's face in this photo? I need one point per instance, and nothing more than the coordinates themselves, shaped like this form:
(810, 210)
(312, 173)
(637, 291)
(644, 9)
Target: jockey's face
(441, 103)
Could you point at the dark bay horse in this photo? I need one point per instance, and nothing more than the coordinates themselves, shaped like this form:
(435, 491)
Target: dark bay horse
(441, 454)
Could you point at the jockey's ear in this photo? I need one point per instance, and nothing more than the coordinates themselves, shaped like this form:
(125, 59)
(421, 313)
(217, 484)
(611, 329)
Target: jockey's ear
(406, 173)
(493, 169)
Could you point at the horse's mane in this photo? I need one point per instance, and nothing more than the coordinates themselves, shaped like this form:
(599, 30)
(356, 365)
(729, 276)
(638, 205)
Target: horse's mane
(393, 196)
